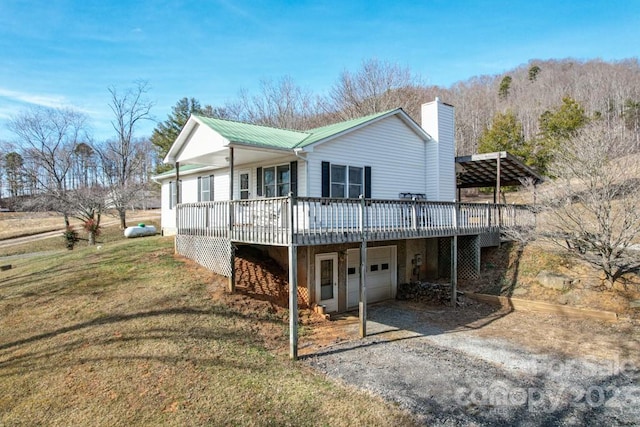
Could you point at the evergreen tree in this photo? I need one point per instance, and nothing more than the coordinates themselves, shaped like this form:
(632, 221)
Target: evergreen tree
(504, 134)
(563, 122)
(505, 87)
(533, 73)
(557, 126)
(166, 132)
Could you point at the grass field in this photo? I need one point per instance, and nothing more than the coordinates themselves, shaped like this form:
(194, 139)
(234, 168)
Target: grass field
(18, 224)
(130, 335)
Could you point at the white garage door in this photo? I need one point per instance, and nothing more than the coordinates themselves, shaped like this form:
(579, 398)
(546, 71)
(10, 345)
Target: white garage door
(381, 274)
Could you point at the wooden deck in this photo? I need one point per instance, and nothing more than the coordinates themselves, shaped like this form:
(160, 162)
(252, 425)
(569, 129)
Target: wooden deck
(316, 221)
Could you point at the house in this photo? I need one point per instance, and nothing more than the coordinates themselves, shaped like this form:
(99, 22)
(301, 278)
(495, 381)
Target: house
(351, 209)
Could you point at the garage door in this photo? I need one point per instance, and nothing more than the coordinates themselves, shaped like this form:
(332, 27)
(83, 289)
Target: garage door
(381, 274)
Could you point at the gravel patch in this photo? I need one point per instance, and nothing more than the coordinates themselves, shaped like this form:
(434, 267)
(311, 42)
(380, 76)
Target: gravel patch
(456, 378)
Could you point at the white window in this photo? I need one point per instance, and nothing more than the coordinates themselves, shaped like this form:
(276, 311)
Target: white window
(173, 194)
(338, 181)
(355, 182)
(276, 181)
(205, 188)
(346, 181)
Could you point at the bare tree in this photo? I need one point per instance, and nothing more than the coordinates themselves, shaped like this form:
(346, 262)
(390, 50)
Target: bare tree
(87, 205)
(282, 104)
(378, 86)
(120, 156)
(593, 206)
(13, 164)
(47, 138)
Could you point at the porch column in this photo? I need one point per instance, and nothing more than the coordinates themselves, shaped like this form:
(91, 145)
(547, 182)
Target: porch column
(232, 254)
(293, 287)
(175, 240)
(362, 305)
(177, 182)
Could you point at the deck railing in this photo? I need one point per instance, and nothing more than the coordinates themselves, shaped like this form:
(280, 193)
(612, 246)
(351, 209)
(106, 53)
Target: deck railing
(311, 220)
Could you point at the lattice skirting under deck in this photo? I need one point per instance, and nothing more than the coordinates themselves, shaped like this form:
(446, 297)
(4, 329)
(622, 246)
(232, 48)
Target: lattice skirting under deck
(468, 257)
(213, 253)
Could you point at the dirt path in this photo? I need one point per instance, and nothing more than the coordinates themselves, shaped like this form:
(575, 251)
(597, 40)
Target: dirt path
(448, 374)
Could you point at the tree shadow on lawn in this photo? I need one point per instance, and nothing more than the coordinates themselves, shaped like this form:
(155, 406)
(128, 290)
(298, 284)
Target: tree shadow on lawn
(111, 337)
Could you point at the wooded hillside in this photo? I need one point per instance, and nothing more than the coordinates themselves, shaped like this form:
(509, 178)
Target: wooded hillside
(609, 91)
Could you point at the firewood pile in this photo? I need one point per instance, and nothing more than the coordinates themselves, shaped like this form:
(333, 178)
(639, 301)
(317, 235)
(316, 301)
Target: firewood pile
(435, 293)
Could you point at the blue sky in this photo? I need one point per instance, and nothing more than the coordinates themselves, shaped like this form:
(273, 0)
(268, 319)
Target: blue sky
(67, 53)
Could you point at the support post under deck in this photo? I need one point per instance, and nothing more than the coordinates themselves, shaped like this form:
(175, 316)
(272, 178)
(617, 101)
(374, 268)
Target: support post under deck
(293, 286)
(232, 257)
(454, 258)
(362, 305)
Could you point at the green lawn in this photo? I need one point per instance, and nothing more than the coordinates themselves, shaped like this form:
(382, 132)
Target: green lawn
(130, 335)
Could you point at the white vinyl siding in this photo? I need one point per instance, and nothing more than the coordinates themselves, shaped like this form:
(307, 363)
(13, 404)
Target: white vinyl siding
(199, 144)
(168, 219)
(438, 121)
(394, 152)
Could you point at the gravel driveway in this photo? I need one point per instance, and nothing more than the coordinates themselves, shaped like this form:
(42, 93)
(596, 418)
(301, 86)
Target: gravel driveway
(456, 378)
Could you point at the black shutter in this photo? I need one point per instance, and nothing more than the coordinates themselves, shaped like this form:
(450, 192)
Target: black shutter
(367, 182)
(211, 198)
(200, 189)
(259, 182)
(293, 178)
(326, 179)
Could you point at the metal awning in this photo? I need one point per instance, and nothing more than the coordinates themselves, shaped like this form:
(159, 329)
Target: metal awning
(493, 170)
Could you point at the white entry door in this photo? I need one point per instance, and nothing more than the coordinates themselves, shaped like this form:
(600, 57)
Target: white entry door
(327, 281)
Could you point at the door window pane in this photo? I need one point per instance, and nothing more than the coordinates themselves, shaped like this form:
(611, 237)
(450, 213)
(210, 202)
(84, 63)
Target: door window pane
(326, 279)
(244, 186)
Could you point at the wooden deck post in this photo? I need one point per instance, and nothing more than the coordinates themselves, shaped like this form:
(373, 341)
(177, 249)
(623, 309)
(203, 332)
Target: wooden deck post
(293, 286)
(232, 257)
(362, 305)
(454, 258)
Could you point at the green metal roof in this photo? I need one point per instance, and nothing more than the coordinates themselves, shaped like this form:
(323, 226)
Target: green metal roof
(318, 134)
(249, 134)
(268, 137)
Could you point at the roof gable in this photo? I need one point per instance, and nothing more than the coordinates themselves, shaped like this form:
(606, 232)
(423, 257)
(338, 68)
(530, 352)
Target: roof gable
(245, 133)
(328, 132)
